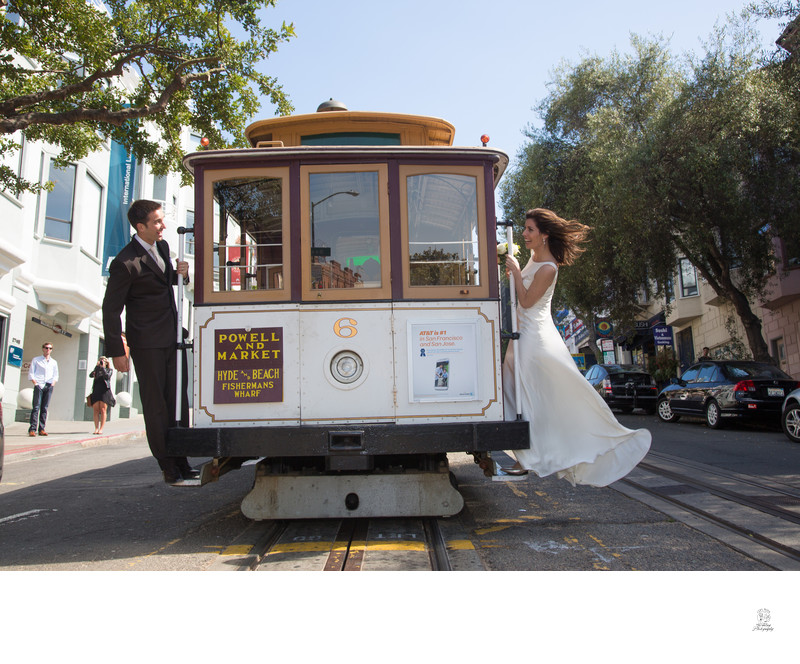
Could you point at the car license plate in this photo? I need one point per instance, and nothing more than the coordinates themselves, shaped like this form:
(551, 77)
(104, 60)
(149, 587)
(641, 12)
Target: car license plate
(774, 391)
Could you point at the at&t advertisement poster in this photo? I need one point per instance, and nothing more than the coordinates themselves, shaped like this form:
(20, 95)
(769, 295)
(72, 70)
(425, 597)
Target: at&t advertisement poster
(443, 362)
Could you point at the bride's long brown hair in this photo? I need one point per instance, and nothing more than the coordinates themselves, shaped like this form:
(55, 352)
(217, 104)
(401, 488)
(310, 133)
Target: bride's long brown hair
(563, 237)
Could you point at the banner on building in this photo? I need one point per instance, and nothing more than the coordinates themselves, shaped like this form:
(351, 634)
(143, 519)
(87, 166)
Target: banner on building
(121, 184)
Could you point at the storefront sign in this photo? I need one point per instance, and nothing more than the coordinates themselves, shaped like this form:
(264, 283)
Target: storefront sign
(52, 325)
(15, 356)
(662, 335)
(248, 365)
(443, 362)
(604, 328)
(574, 328)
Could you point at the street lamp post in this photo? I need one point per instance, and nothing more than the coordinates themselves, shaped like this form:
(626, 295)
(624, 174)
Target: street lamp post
(322, 200)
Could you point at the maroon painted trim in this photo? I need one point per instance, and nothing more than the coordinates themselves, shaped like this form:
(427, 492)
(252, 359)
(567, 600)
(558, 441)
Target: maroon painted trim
(199, 237)
(295, 229)
(395, 232)
(491, 228)
(295, 222)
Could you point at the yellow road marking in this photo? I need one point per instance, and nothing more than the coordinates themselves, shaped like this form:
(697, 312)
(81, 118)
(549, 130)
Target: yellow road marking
(152, 553)
(460, 545)
(515, 490)
(493, 529)
(300, 547)
(237, 550)
(396, 546)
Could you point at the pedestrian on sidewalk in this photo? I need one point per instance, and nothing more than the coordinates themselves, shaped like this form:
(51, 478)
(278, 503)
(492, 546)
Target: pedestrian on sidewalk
(141, 278)
(102, 396)
(44, 375)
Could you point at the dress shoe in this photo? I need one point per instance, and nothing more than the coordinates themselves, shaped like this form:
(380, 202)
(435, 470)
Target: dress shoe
(42, 433)
(32, 434)
(514, 471)
(173, 480)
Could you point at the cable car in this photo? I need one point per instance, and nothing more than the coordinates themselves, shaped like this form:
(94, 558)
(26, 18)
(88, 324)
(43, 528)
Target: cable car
(346, 316)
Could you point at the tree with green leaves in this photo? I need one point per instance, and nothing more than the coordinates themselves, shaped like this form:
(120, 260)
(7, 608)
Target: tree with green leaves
(577, 164)
(75, 73)
(724, 172)
(669, 160)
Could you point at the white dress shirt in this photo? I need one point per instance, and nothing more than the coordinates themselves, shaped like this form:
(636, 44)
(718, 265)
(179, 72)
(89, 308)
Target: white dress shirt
(43, 370)
(153, 251)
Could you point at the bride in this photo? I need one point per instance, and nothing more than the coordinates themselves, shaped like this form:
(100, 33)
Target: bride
(572, 431)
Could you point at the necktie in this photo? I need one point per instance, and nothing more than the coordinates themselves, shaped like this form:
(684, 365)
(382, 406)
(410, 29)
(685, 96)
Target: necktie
(157, 258)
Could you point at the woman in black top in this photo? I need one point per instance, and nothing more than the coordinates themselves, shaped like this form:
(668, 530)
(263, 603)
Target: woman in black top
(102, 397)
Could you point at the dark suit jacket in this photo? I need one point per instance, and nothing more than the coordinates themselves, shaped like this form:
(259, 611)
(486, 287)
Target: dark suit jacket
(136, 283)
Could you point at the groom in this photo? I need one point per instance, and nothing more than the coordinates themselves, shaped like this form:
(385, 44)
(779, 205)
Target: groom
(140, 279)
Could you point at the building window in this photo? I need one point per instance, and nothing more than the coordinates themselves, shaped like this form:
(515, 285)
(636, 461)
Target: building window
(13, 158)
(791, 251)
(59, 209)
(669, 290)
(688, 278)
(91, 214)
(160, 188)
(779, 352)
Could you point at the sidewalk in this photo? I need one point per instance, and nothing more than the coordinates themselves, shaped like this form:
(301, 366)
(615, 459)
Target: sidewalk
(66, 435)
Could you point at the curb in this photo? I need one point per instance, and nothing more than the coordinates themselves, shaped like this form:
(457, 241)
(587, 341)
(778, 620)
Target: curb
(50, 449)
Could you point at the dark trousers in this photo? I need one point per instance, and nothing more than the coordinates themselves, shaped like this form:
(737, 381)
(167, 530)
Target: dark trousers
(41, 400)
(156, 373)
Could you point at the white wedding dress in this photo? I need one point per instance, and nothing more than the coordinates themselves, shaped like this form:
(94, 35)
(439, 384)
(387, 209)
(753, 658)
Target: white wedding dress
(573, 432)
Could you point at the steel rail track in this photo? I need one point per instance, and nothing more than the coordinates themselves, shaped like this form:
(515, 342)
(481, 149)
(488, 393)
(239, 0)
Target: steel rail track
(708, 486)
(347, 550)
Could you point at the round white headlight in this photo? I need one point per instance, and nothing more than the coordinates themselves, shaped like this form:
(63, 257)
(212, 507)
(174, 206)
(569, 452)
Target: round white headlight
(347, 366)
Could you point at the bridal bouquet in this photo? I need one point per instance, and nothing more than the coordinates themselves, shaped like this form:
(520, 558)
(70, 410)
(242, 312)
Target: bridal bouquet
(502, 252)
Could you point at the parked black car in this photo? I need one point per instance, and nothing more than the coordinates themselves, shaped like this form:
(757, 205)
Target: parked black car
(624, 386)
(720, 390)
(790, 418)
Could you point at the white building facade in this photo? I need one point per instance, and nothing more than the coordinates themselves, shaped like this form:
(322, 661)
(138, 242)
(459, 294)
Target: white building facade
(54, 252)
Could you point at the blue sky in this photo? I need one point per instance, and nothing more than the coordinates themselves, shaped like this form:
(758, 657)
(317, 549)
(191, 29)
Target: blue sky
(481, 65)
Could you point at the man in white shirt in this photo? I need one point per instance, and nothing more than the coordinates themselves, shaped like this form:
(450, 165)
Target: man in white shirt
(43, 374)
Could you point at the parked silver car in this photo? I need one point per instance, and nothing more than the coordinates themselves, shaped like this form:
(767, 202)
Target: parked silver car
(790, 416)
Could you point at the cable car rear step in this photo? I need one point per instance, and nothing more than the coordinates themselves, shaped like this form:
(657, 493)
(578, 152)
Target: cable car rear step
(298, 494)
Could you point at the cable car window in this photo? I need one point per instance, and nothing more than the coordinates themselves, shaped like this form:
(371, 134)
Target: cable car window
(345, 242)
(352, 138)
(444, 231)
(245, 235)
(249, 234)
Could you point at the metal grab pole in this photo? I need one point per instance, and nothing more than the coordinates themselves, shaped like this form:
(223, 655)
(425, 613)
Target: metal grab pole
(179, 344)
(513, 296)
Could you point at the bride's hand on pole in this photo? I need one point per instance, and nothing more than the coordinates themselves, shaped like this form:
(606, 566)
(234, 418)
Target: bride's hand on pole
(512, 265)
